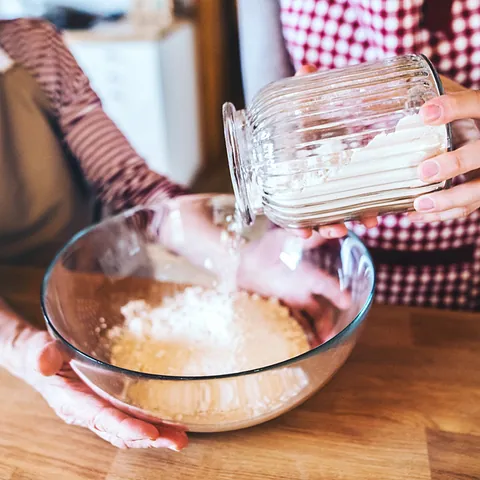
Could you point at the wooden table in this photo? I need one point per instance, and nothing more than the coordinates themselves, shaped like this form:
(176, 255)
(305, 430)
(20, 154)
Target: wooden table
(405, 406)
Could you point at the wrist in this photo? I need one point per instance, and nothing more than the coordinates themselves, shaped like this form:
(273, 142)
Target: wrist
(165, 191)
(15, 337)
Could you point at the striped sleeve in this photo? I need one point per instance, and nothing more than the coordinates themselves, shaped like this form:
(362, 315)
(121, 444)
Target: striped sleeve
(119, 176)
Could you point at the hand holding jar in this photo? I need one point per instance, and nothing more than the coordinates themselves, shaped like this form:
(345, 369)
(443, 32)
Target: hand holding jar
(341, 145)
(459, 105)
(463, 199)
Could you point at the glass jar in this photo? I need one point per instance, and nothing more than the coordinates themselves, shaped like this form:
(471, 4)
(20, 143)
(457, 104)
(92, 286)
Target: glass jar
(335, 145)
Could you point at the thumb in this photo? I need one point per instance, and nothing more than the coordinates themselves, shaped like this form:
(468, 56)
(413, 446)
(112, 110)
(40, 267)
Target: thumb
(39, 352)
(49, 359)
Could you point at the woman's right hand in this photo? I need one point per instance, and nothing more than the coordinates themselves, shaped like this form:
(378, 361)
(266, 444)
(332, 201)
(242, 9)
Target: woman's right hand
(33, 356)
(274, 264)
(463, 199)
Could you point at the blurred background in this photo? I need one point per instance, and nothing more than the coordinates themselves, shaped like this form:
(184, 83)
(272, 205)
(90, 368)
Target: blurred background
(163, 69)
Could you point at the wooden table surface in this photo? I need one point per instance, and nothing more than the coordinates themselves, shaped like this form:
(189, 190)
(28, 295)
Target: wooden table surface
(405, 406)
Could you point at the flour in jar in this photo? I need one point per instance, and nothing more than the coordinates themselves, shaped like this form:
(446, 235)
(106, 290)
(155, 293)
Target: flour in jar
(379, 174)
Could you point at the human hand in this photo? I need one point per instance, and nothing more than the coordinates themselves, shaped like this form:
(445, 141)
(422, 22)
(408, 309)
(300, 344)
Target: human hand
(273, 262)
(277, 265)
(451, 86)
(463, 199)
(464, 130)
(34, 357)
(284, 266)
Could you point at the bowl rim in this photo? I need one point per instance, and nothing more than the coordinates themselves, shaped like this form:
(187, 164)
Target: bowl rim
(350, 328)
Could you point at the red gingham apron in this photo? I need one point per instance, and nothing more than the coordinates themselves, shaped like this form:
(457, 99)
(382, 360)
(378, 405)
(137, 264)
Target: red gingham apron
(435, 265)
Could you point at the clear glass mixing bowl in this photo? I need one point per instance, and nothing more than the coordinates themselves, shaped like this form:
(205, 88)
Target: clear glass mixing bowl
(132, 255)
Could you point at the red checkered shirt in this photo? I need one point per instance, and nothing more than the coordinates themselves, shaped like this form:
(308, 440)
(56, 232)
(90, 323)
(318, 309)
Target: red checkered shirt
(420, 265)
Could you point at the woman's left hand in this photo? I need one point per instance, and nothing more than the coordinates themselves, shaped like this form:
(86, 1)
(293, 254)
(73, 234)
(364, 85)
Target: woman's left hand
(461, 200)
(36, 358)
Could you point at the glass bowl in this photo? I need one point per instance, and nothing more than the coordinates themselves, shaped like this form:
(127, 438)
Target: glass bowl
(137, 253)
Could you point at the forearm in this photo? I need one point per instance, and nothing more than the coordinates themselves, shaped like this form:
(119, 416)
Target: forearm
(119, 176)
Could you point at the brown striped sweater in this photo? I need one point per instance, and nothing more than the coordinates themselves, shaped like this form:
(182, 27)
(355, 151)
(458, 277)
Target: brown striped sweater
(118, 175)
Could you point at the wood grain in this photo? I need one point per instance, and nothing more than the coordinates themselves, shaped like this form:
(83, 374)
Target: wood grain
(453, 455)
(212, 51)
(220, 81)
(405, 406)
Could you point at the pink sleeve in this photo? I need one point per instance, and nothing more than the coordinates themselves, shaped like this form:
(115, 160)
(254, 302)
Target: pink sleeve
(119, 176)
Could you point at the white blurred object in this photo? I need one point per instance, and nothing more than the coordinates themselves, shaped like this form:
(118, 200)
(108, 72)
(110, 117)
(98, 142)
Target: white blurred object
(35, 8)
(99, 7)
(148, 83)
(21, 8)
(145, 13)
(25, 8)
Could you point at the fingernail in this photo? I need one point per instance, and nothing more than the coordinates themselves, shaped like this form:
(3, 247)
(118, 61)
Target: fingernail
(424, 204)
(166, 443)
(429, 169)
(430, 113)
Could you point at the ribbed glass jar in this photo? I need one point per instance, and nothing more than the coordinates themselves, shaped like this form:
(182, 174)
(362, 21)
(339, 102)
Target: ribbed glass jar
(335, 145)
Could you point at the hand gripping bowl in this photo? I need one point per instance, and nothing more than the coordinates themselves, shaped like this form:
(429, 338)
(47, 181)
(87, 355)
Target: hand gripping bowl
(129, 256)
